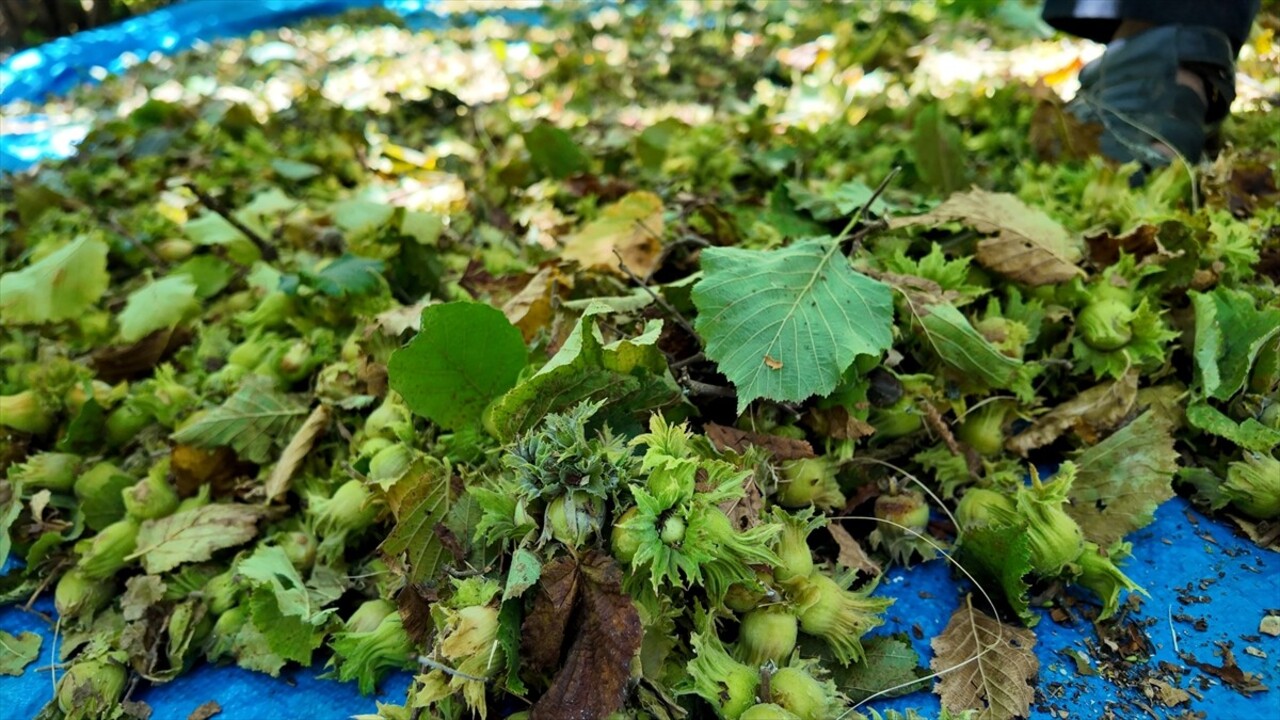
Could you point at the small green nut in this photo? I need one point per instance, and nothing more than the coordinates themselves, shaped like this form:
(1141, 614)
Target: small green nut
(800, 694)
(1106, 324)
(125, 422)
(47, 471)
(390, 463)
(222, 592)
(351, 509)
(27, 412)
(150, 498)
(107, 551)
(76, 595)
(572, 518)
(768, 711)
(222, 638)
(981, 507)
(624, 539)
(810, 481)
(768, 634)
(91, 689)
(299, 547)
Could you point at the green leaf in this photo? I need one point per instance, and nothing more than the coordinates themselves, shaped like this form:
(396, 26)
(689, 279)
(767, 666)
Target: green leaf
(210, 274)
(61, 286)
(999, 558)
(466, 355)
(840, 202)
(420, 501)
(289, 636)
(553, 152)
(939, 153)
(891, 668)
(10, 509)
(631, 373)
(1230, 332)
(1122, 480)
(523, 574)
(194, 535)
(294, 170)
(158, 305)
(347, 275)
(785, 324)
(18, 651)
(1249, 434)
(84, 432)
(971, 355)
(358, 216)
(252, 422)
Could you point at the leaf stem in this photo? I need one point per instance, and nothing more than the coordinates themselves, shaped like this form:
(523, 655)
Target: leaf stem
(267, 249)
(854, 238)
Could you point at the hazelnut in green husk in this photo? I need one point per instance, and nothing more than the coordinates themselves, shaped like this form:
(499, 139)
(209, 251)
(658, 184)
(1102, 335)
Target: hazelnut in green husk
(47, 471)
(803, 695)
(793, 544)
(837, 615)
(350, 509)
(91, 689)
(1098, 572)
(151, 497)
(573, 517)
(107, 551)
(27, 412)
(767, 634)
(810, 481)
(980, 507)
(76, 594)
(726, 684)
(902, 534)
(768, 711)
(1253, 486)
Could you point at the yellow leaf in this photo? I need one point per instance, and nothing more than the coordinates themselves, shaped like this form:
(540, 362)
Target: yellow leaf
(632, 227)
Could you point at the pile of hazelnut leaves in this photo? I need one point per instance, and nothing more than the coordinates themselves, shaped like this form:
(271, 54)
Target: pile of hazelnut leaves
(582, 403)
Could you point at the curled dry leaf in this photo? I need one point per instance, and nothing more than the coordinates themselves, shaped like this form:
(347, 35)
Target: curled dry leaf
(296, 451)
(985, 665)
(631, 227)
(1028, 245)
(1088, 415)
(781, 448)
(530, 309)
(851, 553)
(542, 635)
(592, 681)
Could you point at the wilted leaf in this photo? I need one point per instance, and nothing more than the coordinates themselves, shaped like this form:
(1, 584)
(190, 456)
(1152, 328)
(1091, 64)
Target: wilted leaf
(525, 570)
(1029, 246)
(205, 711)
(837, 423)
(851, 554)
(1088, 415)
(18, 651)
(127, 362)
(194, 535)
(251, 422)
(1123, 479)
(466, 355)
(296, 451)
(592, 682)
(891, 668)
(802, 306)
(1248, 434)
(543, 634)
(60, 286)
(1230, 332)
(419, 501)
(530, 309)
(939, 154)
(999, 558)
(985, 666)
(159, 305)
(140, 593)
(962, 347)
(781, 448)
(631, 227)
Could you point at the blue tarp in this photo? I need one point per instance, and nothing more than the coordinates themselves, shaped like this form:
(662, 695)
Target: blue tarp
(1208, 588)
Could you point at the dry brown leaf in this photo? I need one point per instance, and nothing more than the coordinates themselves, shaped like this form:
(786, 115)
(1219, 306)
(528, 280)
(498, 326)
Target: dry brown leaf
(1105, 247)
(297, 449)
(838, 423)
(851, 553)
(744, 512)
(1057, 134)
(543, 631)
(985, 665)
(781, 448)
(592, 683)
(530, 309)
(205, 711)
(631, 227)
(1029, 246)
(128, 362)
(1164, 693)
(1088, 415)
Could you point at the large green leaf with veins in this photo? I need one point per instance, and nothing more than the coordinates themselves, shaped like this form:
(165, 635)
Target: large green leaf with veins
(784, 324)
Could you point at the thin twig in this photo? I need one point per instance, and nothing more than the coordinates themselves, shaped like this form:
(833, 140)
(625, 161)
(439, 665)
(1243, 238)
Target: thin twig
(696, 357)
(855, 238)
(708, 390)
(674, 313)
(428, 662)
(267, 249)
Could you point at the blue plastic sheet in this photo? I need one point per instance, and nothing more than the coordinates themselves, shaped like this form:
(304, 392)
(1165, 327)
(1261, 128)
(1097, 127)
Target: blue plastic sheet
(1207, 586)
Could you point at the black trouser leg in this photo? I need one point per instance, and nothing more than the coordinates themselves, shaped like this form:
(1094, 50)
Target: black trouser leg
(1098, 19)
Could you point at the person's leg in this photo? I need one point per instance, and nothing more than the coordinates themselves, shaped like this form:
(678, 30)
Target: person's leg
(1168, 69)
